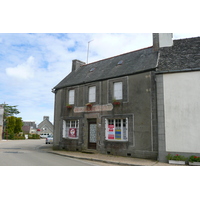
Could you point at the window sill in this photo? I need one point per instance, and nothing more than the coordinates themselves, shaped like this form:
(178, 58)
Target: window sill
(116, 140)
(68, 138)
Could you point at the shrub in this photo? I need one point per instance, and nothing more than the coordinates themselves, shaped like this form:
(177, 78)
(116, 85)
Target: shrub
(194, 159)
(176, 157)
(19, 138)
(33, 136)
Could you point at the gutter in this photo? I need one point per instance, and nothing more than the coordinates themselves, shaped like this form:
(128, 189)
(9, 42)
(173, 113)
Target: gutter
(177, 70)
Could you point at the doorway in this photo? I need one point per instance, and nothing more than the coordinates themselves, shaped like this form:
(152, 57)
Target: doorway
(92, 133)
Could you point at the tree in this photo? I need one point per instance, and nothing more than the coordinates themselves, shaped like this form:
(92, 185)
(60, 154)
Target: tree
(13, 126)
(9, 110)
(10, 120)
(10, 126)
(18, 125)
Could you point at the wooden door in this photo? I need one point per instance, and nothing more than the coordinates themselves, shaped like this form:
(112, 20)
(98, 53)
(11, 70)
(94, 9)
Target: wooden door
(92, 134)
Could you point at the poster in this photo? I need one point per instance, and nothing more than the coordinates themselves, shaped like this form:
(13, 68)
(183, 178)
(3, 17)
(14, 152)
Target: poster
(111, 135)
(118, 134)
(72, 132)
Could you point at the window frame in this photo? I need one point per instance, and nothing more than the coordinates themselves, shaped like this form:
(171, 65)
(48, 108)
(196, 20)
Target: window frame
(116, 129)
(118, 90)
(71, 99)
(68, 125)
(92, 96)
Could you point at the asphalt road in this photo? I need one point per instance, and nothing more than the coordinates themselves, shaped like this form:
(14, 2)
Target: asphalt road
(34, 153)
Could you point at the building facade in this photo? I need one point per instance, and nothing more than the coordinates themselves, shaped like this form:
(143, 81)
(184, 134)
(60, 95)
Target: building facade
(178, 105)
(109, 106)
(45, 126)
(140, 104)
(29, 127)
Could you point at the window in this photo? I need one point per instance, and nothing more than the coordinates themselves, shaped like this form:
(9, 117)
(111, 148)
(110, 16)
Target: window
(118, 90)
(92, 94)
(117, 129)
(71, 96)
(71, 129)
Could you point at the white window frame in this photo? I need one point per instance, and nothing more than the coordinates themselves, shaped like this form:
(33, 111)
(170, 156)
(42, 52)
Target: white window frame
(117, 90)
(113, 130)
(71, 96)
(92, 94)
(67, 125)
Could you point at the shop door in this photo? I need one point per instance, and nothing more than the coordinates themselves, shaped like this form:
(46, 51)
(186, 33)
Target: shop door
(92, 134)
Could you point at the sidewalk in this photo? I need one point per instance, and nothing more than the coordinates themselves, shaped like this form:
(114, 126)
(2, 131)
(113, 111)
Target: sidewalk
(116, 160)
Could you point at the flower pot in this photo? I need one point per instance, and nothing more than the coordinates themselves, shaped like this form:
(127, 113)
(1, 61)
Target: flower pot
(194, 163)
(177, 162)
(116, 103)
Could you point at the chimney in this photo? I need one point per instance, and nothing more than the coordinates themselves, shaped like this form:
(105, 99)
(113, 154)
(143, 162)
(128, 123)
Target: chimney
(162, 40)
(76, 64)
(46, 117)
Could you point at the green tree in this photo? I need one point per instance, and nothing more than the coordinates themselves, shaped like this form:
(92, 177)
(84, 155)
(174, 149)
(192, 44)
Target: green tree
(9, 123)
(18, 125)
(10, 126)
(9, 110)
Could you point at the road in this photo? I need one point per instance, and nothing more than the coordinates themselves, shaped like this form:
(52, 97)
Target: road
(34, 153)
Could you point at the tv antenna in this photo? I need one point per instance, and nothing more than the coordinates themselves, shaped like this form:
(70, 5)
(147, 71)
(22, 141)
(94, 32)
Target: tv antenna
(88, 50)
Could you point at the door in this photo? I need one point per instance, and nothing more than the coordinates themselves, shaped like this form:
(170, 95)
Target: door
(92, 134)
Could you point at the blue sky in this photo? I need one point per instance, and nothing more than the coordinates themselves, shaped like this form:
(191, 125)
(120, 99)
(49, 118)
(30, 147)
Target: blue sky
(32, 64)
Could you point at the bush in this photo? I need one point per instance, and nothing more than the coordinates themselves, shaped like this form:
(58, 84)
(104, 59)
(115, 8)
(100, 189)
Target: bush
(176, 157)
(33, 136)
(19, 138)
(11, 136)
(194, 159)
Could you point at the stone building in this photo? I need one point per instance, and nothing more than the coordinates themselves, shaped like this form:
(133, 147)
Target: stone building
(29, 127)
(122, 105)
(45, 126)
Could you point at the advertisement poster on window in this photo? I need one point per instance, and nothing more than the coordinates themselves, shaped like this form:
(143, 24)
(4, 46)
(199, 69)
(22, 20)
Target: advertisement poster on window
(111, 136)
(111, 132)
(118, 134)
(72, 132)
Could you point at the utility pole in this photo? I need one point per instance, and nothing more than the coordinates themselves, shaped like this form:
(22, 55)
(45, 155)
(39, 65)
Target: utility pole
(88, 50)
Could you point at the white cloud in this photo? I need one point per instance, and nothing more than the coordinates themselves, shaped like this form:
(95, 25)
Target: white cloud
(28, 82)
(23, 71)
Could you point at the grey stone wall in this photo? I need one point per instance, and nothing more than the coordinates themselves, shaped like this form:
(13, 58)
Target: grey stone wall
(138, 105)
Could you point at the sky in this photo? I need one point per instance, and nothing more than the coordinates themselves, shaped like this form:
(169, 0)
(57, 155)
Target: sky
(39, 40)
(31, 64)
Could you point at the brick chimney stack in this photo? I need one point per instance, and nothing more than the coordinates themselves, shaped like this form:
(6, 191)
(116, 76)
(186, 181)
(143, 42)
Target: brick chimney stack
(162, 40)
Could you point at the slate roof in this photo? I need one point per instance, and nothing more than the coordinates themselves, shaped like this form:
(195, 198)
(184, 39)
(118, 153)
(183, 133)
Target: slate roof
(132, 62)
(184, 55)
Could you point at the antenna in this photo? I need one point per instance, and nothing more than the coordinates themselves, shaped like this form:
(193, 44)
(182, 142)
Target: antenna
(88, 50)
